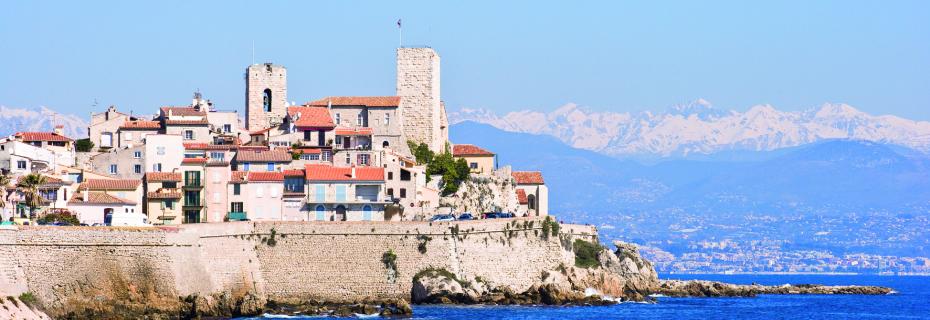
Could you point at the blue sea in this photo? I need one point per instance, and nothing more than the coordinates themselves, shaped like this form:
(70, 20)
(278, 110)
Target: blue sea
(912, 301)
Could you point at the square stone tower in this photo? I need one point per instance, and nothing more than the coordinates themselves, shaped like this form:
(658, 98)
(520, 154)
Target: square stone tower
(265, 95)
(418, 89)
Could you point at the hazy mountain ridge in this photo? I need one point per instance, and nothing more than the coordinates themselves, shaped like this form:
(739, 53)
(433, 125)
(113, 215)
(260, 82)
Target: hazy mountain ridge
(699, 128)
(14, 120)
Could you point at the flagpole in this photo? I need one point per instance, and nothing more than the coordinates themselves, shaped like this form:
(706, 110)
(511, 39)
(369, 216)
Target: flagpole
(400, 34)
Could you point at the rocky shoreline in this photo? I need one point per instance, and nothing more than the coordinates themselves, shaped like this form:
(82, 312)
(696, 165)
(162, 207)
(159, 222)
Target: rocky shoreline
(704, 288)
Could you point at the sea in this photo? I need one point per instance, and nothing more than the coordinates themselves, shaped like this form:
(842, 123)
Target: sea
(910, 301)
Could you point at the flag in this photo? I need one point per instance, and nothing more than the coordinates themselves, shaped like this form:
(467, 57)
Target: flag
(398, 23)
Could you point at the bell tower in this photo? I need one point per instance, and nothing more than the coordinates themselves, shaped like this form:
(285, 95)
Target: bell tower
(265, 95)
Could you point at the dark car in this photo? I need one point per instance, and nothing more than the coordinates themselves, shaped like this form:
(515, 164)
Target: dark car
(466, 216)
(498, 215)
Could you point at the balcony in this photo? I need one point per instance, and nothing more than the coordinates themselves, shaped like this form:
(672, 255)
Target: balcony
(236, 216)
(193, 183)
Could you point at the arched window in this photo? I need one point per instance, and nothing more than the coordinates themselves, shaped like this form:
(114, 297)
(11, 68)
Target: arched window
(531, 201)
(366, 213)
(266, 100)
(385, 144)
(320, 212)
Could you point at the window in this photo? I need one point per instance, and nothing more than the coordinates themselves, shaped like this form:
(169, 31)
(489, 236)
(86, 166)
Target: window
(403, 192)
(387, 119)
(188, 134)
(112, 169)
(473, 165)
(404, 175)
(390, 192)
(308, 135)
(338, 140)
(245, 166)
(327, 155)
(338, 118)
(320, 213)
(531, 201)
(340, 193)
(106, 140)
(237, 189)
(358, 120)
(137, 168)
(236, 207)
(266, 100)
(363, 159)
(160, 150)
(227, 128)
(21, 164)
(127, 136)
(385, 144)
(271, 166)
(390, 175)
(169, 184)
(137, 154)
(169, 204)
(348, 159)
(310, 156)
(217, 155)
(320, 193)
(156, 167)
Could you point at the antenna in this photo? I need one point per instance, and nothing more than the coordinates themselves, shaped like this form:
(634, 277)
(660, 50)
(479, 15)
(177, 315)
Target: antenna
(253, 51)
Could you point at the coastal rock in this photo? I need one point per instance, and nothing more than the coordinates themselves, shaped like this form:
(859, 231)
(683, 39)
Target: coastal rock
(13, 308)
(704, 288)
(438, 286)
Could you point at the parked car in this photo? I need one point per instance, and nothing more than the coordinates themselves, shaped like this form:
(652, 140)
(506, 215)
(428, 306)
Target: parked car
(442, 218)
(498, 215)
(466, 216)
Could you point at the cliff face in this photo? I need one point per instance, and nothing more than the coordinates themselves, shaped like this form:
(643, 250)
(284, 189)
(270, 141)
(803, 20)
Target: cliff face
(486, 192)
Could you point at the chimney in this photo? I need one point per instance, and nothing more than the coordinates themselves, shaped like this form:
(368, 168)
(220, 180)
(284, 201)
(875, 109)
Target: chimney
(85, 195)
(59, 130)
(329, 105)
(353, 172)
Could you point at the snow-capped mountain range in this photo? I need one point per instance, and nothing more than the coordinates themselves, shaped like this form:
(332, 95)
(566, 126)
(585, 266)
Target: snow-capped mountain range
(699, 128)
(14, 120)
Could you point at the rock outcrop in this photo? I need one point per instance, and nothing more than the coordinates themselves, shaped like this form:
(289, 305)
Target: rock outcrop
(14, 308)
(703, 288)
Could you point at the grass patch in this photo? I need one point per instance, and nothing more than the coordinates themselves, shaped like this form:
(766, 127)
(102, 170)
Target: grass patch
(586, 253)
(29, 299)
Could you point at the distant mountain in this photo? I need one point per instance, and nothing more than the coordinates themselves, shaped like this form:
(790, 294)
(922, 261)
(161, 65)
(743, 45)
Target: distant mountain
(700, 129)
(838, 174)
(14, 120)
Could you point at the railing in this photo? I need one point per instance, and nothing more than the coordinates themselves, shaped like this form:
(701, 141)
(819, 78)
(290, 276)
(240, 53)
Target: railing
(236, 216)
(193, 183)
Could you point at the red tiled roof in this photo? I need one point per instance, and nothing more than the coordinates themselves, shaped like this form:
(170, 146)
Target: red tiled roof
(186, 122)
(528, 177)
(182, 111)
(238, 176)
(141, 124)
(164, 194)
(265, 176)
(386, 101)
(294, 173)
(110, 184)
(361, 131)
(50, 182)
(194, 160)
(41, 136)
(521, 196)
(460, 150)
(322, 172)
(162, 176)
(276, 155)
(98, 198)
(316, 117)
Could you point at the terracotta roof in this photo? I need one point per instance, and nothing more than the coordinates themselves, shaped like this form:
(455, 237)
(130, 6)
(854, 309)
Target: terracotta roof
(276, 155)
(265, 176)
(528, 177)
(110, 184)
(521, 196)
(238, 176)
(49, 182)
(386, 101)
(164, 194)
(194, 160)
(460, 150)
(322, 172)
(317, 117)
(141, 124)
(361, 131)
(98, 198)
(294, 172)
(182, 111)
(162, 176)
(186, 122)
(41, 136)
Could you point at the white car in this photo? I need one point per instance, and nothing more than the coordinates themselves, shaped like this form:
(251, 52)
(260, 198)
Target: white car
(443, 218)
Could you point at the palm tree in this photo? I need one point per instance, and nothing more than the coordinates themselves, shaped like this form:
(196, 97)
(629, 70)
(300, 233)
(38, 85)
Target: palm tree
(29, 186)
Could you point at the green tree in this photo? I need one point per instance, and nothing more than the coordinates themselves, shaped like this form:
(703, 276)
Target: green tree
(421, 152)
(29, 186)
(83, 145)
(4, 182)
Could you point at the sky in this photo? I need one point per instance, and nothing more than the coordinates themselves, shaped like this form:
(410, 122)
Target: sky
(501, 55)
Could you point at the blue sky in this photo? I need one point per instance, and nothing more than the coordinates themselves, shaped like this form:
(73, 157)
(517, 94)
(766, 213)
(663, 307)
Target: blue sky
(618, 56)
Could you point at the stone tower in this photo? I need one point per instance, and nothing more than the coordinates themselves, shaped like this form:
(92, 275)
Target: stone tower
(418, 89)
(265, 95)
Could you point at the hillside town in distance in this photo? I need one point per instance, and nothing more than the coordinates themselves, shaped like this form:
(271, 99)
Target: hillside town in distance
(338, 158)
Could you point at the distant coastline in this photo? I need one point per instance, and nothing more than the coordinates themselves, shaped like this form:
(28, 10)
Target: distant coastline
(774, 273)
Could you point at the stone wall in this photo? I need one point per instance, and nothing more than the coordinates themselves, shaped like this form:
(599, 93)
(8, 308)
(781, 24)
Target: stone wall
(285, 261)
(418, 86)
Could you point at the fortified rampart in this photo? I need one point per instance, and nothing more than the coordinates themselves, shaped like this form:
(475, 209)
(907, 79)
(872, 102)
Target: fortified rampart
(283, 261)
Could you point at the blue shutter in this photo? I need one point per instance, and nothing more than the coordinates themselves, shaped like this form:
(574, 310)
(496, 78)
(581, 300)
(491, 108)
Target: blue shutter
(341, 193)
(320, 193)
